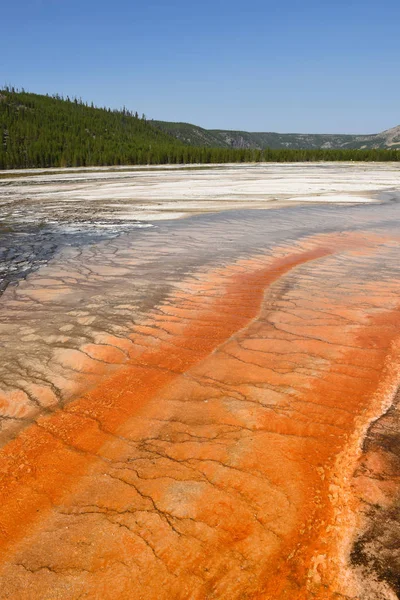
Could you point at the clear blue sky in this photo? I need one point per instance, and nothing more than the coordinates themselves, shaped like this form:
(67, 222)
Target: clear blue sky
(283, 65)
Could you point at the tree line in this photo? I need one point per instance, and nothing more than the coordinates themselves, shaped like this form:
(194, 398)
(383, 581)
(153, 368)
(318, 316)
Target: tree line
(52, 131)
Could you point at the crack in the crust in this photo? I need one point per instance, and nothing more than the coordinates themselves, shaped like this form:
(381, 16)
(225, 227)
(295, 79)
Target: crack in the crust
(53, 570)
(247, 500)
(112, 515)
(314, 338)
(188, 462)
(85, 353)
(73, 570)
(164, 515)
(316, 367)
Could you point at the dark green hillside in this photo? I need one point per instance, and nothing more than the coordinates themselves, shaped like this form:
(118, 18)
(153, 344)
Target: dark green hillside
(43, 131)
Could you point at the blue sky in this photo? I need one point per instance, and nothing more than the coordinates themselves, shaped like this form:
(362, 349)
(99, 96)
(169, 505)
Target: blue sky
(288, 66)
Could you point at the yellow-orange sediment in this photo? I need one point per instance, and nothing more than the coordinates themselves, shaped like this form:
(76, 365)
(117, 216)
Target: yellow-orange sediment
(203, 467)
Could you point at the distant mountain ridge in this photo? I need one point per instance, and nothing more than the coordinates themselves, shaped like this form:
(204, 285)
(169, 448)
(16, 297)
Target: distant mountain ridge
(194, 135)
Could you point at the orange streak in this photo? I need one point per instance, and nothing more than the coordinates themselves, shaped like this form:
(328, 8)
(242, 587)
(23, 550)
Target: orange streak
(40, 466)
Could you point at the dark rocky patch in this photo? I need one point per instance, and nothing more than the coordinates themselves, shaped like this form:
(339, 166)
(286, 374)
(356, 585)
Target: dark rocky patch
(377, 548)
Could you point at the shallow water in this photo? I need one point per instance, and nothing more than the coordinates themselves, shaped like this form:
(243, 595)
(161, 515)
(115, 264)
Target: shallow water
(41, 212)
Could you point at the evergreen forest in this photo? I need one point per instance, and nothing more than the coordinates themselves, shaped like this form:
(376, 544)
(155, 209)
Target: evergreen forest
(52, 131)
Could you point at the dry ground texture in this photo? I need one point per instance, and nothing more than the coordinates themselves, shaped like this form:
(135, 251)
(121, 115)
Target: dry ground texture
(203, 407)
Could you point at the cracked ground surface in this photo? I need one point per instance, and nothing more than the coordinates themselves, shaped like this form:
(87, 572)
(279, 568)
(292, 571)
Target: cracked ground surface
(206, 409)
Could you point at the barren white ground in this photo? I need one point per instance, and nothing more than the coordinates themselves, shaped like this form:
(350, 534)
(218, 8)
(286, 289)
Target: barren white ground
(171, 192)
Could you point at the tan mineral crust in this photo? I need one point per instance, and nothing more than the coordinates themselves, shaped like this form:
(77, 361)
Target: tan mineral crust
(207, 408)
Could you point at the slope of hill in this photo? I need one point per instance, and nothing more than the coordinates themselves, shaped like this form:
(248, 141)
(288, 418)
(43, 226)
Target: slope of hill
(389, 138)
(197, 136)
(192, 135)
(42, 131)
(243, 139)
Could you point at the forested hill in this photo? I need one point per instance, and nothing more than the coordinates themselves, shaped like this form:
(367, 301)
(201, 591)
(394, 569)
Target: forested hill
(50, 131)
(43, 131)
(198, 136)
